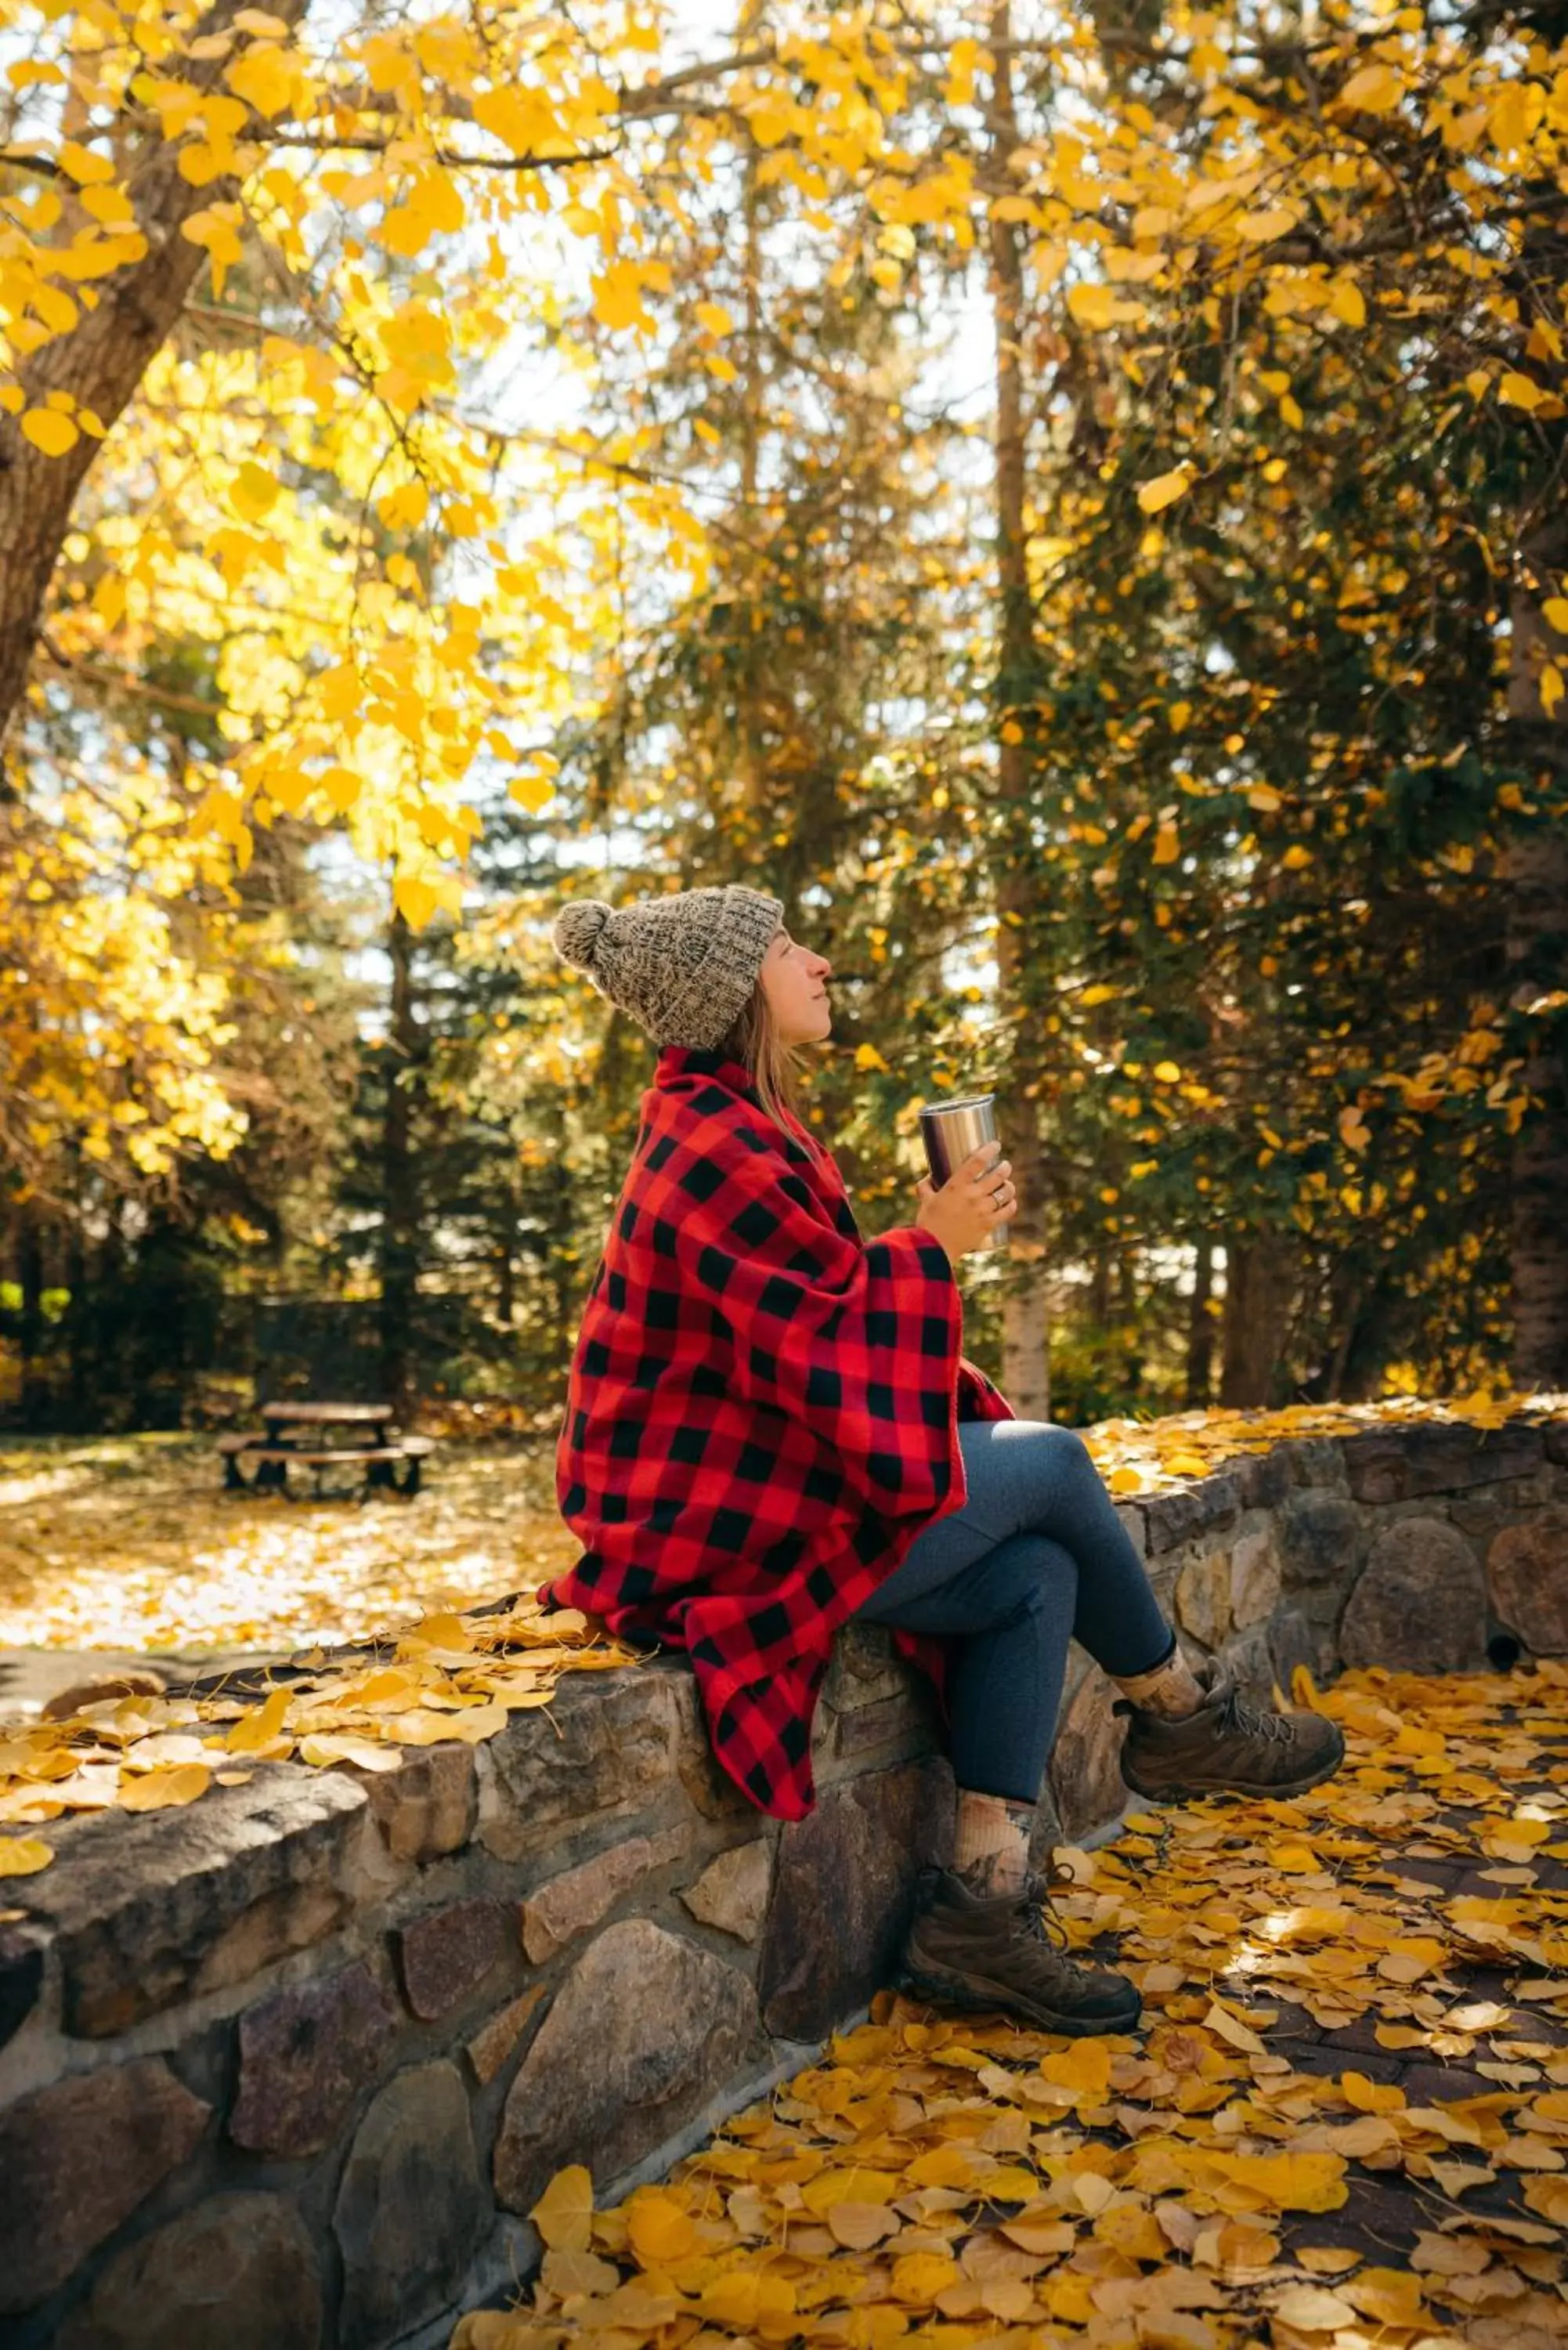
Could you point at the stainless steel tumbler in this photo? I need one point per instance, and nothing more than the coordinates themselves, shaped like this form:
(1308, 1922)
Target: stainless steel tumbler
(951, 1131)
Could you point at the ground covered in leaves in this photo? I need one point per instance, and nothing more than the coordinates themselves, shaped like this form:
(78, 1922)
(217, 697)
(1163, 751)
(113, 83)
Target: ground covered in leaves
(1343, 2123)
(131, 1543)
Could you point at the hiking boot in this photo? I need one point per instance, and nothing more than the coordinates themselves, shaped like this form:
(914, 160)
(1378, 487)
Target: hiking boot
(1227, 1747)
(996, 1950)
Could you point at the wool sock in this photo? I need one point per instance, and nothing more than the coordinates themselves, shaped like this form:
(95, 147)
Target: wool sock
(1169, 1688)
(990, 1845)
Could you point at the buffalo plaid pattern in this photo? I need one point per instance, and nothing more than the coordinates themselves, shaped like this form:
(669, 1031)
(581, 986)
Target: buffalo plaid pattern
(762, 1415)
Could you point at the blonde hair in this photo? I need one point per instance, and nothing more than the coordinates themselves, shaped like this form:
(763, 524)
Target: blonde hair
(755, 1040)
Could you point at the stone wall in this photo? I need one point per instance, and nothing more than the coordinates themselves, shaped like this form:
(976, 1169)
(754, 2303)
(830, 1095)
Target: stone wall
(287, 2068)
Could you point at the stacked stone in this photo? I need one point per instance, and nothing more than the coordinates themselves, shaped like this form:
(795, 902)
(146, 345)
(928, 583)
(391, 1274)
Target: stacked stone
(287, 2068)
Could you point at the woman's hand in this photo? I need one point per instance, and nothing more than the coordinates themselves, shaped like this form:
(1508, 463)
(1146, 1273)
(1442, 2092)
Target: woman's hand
(976, 1197)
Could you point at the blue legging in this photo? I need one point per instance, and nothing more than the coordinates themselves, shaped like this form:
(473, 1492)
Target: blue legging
(1036, 1555)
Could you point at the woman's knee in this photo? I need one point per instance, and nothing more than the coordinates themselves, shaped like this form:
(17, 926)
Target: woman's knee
(1026, 1576)
(1055, 1452)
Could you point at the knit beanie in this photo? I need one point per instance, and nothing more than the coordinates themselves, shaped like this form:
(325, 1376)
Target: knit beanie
(682, 966)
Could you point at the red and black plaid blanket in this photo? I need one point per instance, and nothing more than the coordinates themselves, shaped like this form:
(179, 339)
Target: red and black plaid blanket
(762, 1414)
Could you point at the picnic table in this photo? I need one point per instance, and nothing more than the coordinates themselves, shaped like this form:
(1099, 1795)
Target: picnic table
(301, 1435)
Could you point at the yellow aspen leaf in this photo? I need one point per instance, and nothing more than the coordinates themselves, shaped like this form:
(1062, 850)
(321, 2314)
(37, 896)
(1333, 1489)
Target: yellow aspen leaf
(1313, 2309)
(261, 1728)
(1011, 2184)
(859, 2226)
(1296, 857)
(1348, 302)
(1393, 2297)
(715, 318)
(1376, 89)
(405, 507)
(415, 899)
(1516, 391)
(473, 1723)
(943, 2166)
(1293, 2182)
(24, 1855)
(747, 2297)
(564, 2213)
(1514, 115)
(265, 78)
(1556, 611)
(1303, 1690)
(1084, 2069)
(253, 492)
(566, 2272)
(1368, 2096)
(1167, 843)
(1326, 2259)
(1093, 306)
(618, 294)
(533, 786)
(1550, 2198)
(659, 2231)
(1262, 227)
(866, 1057)
(1551, 688)
(1168, 1072)
(1164, 490)
(49, 431)
(163, 1791)
(83, 164)
(1232, 2031)
(1265, 799)
(323, 1748)
(848, 2186)
(919, 2277)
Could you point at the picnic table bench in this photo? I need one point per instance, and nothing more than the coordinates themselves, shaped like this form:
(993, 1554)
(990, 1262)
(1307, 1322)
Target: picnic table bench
(370, 1439)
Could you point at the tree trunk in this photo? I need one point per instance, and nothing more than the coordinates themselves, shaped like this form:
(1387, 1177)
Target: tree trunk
(506, 1263)
(101, 360)
(1200, 1330)
(1025, 1340)
(1535, 868)
(1537, 871)
(30, 1280)
(399, 1178)
(78, 1319)
(1259, 1281)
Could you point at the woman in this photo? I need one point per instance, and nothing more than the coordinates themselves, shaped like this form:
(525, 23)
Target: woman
(770, 1429)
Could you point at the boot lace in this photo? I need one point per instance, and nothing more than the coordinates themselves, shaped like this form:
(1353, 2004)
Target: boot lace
(1037, 1915)
(1246, 1721)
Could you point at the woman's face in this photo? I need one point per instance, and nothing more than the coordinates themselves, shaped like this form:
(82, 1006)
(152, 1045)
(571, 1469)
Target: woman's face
(791, 979)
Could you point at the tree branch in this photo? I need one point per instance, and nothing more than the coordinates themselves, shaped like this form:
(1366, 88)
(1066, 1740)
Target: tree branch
(41, 166)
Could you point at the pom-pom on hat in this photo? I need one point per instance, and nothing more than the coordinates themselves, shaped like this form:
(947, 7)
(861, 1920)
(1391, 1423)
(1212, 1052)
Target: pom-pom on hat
(682, 966)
